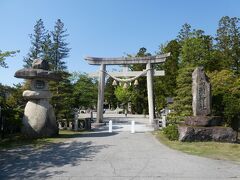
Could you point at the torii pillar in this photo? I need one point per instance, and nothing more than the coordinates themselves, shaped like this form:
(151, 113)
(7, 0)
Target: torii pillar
(150, 92)
(101, 85)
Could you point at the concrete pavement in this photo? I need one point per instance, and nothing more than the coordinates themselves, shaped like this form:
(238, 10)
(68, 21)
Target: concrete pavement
(105, 156)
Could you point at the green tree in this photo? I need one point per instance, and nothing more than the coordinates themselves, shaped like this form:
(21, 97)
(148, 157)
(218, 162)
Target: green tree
(125, 95)
(12, 106)
(197, 51)
(60, 48)
(182, 105)
(62, 99)
(52, 48)
(165, 86)
(228, 42)
(184, 33)
(15, 98)
(140, 101)
(4, 55)
(109, 93)
(37, 40)
(48, 50)
(226, 96)
(85, 92)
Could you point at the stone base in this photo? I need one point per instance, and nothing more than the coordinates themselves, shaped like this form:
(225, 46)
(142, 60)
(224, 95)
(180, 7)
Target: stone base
(220, 134)
(205, 121)
(39, 119)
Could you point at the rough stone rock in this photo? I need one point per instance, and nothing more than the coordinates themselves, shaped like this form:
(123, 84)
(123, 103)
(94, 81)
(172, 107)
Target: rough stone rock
(203, 121)
(220, 134)
(39, 119)
(40, 64)
(37, 94)
(201, 92)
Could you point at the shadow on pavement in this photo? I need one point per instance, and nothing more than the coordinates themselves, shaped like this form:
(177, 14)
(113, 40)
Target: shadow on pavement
(98, 134)
(27, 162)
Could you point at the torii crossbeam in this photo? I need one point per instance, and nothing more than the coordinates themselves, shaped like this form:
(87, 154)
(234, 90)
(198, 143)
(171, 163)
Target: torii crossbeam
(149, 60)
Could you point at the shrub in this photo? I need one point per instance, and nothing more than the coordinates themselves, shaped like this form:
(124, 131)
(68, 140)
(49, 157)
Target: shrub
(171, 132)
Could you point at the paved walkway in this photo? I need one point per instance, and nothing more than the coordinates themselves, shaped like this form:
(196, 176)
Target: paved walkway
(120, 124)
(111, 156)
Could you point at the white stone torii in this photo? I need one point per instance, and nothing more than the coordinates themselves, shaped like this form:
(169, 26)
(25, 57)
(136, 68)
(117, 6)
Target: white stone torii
(149, 60)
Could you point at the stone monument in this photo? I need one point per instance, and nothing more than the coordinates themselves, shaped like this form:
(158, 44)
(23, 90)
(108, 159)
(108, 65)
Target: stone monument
(202, 126)
(39, 118)
(201, 92)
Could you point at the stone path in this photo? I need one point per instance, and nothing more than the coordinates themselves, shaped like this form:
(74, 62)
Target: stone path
(111, 156)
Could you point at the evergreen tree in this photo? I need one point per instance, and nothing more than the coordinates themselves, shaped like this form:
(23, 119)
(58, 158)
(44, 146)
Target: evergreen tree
(4, 55)
(182, 105)
(60, 48)
(62, 99)
(47, 50)
(55, 51)
(228, 42)
(165, 86)
(140, 102)
(85, 92)
(37, 39)
(184, 33)
(197, 51)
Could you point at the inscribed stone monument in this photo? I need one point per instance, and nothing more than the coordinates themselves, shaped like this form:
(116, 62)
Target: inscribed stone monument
(201, 92)
(202, 126)
(39, 118)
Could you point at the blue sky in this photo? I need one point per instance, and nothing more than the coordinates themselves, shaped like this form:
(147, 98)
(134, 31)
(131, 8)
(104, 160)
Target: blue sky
(106, 28)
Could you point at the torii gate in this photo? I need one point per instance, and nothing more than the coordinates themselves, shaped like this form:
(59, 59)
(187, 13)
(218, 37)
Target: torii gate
(149, 60)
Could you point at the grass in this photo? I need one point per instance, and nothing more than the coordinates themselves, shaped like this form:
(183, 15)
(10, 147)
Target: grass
(17, 140)
(214, 150)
